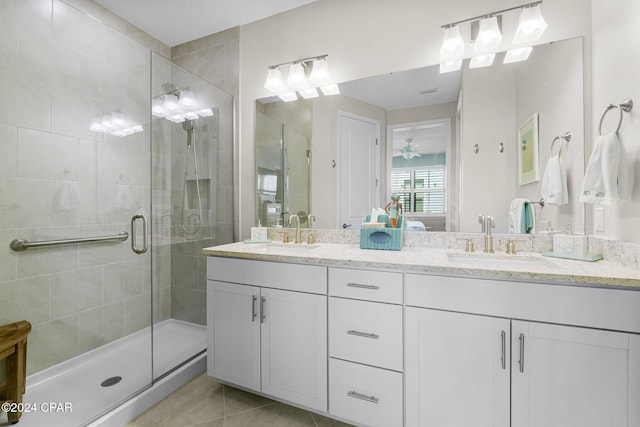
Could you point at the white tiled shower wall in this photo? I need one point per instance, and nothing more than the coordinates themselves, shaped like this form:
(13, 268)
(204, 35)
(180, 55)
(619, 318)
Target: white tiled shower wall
(58, 70)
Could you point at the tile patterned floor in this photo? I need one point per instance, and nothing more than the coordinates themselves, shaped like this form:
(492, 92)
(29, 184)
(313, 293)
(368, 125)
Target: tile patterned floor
(204, 402)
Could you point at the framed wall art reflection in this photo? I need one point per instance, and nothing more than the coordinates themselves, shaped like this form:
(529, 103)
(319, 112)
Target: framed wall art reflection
(528, 151)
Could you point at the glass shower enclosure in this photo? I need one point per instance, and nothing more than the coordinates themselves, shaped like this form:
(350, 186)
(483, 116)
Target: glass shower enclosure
(110, 201)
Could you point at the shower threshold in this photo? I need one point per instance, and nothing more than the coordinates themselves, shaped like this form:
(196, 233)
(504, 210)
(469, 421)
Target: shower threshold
(72, 393)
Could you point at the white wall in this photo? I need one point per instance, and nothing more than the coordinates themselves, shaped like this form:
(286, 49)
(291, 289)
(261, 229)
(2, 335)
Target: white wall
(488, 119)
(616, 76)
(550, 83)
(362, 38)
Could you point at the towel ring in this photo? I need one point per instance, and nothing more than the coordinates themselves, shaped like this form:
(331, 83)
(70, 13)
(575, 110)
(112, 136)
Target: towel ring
(566, 137)
(626, 106)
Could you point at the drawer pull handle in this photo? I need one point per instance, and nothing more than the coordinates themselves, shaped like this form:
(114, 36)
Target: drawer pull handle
(360, 396)
(363, 334)
(262, 313)
(361, 286)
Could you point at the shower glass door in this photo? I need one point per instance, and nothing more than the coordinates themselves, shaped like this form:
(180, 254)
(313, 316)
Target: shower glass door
(192, 206)
(75, 163)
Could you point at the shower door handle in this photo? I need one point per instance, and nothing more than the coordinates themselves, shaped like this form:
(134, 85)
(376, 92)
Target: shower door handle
(134, 247)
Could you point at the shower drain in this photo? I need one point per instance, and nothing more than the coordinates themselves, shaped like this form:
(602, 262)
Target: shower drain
(110, 381)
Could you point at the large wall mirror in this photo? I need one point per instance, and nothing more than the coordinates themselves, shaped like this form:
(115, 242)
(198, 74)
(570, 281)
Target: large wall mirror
(448, 143)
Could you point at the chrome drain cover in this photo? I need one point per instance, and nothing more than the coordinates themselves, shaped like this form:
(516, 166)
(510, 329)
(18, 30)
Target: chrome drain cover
(110, 381)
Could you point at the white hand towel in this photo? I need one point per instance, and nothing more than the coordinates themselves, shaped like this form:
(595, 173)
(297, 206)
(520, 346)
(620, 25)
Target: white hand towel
(69, 196)
(553, 187)
(625, 172)
(607, 172)
(522, 217)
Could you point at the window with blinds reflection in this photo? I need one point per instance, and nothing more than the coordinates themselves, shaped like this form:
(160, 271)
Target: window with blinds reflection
(421, 190)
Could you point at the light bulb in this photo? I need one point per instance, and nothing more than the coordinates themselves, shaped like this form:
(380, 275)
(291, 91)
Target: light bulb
(187, 99)
(320, 73)
(482, 60)
(330, 90)
(516, 55)
(296, 78)
(489, 35)
(449, 66)
(170, 103)
(274, 80)
(288, 96)
(309, 93)
(531, 25)
(452, 44)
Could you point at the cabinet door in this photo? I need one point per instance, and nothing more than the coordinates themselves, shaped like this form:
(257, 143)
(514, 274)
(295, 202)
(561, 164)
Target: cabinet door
(457, 369)
(233, 316)
(294, 347)
(569, 376)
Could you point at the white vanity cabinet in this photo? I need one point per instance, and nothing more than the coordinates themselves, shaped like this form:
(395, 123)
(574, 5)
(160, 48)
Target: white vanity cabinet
(457, 369)
(267, 328)
(366, 346)
(468, 360)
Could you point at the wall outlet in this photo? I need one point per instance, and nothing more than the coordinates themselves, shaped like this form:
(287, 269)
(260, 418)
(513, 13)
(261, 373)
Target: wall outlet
(598, 219)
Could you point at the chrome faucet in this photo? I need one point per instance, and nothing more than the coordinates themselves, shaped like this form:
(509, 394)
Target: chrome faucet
(312, 219)
(298, 231)
(488, 224)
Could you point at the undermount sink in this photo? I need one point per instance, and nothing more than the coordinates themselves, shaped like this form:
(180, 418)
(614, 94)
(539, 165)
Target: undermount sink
(497, 259)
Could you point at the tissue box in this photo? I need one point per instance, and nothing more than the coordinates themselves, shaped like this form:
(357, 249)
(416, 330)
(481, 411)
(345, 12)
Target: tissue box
(564, 244)
(390, 239)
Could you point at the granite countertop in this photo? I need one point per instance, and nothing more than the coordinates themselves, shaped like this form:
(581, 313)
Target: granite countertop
(524, 266)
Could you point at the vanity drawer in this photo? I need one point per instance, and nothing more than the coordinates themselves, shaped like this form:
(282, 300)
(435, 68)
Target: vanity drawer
(279, 275)
(364, 394)
(366, 332)
(380, 286)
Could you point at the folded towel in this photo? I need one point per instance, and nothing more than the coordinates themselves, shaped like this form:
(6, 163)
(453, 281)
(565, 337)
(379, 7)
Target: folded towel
(553, 187)
(69, 197)
(522, 217)
(608, 177)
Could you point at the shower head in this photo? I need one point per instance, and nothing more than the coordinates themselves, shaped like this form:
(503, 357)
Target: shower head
(187, 125)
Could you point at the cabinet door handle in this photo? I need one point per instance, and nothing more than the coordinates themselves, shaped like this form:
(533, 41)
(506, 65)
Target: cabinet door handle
(262, 313)
(363, 334)
(361, 396)
(253, 308)
(361, 286)
(503, 357)
(521, 361)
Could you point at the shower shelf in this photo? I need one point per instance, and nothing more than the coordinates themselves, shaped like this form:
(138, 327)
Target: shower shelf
(20, 245)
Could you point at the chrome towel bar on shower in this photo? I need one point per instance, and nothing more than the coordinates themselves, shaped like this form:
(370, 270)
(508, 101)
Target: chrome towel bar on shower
(20, 245)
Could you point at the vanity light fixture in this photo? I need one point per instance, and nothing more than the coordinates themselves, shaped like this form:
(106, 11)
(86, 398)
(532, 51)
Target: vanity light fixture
(178, 105)
(297, 78)
(319, 78)
(274, 80)
(531, 25)
(309, 93)
(320, 73)
(449, 66)
(489, 36)
(331, 89)
(488, 40)
(518, 54)
(452, 44)
(114, 123)
(288, 96)
(482, 60)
